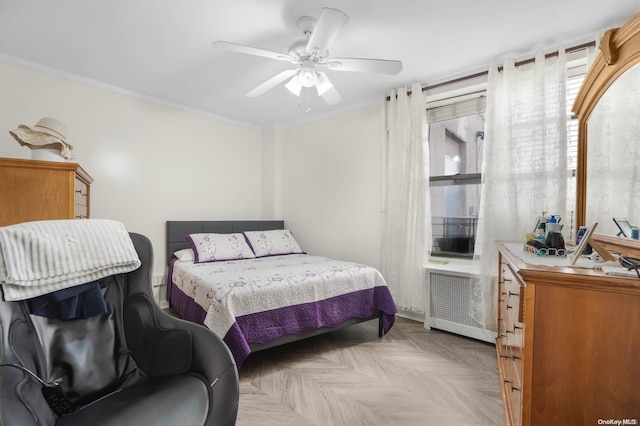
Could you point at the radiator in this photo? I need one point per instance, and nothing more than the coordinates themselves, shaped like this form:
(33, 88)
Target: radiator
(450, 295)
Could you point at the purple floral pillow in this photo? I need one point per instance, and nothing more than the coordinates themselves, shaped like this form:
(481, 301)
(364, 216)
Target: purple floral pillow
(271, 243)
(215, 247)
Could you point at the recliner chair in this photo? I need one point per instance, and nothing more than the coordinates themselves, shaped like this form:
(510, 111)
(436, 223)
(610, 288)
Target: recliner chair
(134, 365)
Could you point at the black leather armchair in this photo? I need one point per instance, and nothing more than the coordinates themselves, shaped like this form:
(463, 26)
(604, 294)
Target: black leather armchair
(134, 365)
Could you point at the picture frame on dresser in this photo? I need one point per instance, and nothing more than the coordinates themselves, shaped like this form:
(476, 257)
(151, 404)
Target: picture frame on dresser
(579, 250)
(624, 226)
(588, 239)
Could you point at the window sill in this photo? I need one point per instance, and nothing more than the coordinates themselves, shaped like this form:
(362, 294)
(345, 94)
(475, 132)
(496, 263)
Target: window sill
(449, 264)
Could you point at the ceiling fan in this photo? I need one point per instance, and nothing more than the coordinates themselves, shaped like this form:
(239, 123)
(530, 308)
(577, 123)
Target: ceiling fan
(310, 56)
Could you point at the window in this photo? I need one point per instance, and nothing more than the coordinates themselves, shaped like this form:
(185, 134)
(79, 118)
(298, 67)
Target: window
(456, 139)
(455, 115)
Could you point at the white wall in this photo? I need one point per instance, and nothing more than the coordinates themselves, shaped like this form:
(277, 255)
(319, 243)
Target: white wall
(328, 184)
(150, 163)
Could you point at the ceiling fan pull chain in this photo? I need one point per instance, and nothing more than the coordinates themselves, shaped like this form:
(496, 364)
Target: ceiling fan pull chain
(308, 109)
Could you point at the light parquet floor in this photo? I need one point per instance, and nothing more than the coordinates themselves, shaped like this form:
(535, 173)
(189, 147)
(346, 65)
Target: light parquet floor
(411, 376)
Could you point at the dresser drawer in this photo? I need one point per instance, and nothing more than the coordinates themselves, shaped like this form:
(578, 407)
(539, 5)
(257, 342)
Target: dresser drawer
(510, 308)
(81, 199)
(512, 365)
(81, 193)
(81, 212)
(514, 335)
(514, 400)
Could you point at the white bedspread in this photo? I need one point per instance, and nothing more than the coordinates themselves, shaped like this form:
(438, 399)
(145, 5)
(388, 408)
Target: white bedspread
(227, 290)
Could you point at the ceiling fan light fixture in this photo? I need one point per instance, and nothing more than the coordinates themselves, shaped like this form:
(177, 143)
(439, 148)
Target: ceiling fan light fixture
(323, 84)
(307, 77)
(294, 85)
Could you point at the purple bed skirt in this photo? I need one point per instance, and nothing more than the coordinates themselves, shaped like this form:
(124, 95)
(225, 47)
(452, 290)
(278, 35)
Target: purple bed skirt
(267, 326)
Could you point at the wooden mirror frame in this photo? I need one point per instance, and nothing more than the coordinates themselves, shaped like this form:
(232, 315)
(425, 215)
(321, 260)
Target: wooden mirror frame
(619, 51)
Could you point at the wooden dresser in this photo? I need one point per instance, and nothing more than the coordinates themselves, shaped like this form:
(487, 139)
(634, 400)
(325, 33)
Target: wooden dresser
(38, 190)
(568, 343)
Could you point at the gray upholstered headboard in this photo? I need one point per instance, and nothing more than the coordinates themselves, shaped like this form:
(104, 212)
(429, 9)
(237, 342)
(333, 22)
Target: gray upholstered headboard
(177, 230)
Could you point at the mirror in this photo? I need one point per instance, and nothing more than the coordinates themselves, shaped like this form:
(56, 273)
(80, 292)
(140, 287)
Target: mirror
(613, 155)
(608, 109)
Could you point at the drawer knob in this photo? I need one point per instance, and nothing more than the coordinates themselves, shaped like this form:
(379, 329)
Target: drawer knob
(513, 388)
(512, 357)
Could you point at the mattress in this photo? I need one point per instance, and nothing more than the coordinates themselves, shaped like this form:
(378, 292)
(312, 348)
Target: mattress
(259, 300)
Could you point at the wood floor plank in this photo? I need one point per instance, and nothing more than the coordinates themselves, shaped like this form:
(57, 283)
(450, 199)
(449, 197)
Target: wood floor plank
(411, 376)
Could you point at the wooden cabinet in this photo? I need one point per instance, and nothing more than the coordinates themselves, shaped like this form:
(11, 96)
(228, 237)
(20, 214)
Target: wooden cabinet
(568, 343)
(38, 190)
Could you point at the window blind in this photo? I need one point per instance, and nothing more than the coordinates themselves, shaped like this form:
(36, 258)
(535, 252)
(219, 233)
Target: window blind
(460, 106)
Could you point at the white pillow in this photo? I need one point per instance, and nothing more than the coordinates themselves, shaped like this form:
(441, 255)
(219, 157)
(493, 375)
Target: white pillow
(185, 255)
(215, 247)
(271, 243)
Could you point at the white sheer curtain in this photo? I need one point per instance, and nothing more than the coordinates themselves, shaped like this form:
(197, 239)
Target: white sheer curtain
(525, 164)
(406, 226)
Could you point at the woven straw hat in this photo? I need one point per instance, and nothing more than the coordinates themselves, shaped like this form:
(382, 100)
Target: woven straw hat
(48, 132)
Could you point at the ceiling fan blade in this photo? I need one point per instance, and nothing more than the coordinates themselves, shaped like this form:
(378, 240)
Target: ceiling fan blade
(379, 66)
(329, 25)
(331, 96)
(272, 82)
(248, 50)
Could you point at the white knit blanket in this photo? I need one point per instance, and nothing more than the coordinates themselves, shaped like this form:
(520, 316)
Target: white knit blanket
(41, 257)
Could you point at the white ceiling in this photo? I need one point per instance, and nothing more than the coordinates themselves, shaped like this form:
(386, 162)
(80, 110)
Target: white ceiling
(161, 49)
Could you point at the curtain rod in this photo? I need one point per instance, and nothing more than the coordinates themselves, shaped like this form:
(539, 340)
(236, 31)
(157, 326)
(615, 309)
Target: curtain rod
(500, 68)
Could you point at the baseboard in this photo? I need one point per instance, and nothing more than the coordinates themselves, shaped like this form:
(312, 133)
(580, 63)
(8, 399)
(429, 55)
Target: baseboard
(464, 330)
(159, 287)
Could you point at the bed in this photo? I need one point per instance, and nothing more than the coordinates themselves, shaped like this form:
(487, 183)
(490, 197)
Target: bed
(259, 302)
